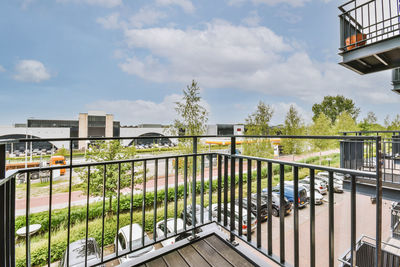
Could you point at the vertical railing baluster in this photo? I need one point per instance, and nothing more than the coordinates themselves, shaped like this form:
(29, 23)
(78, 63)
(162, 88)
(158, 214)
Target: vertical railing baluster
(194, 174)
(248, 208)
(12, 223)
(240, 197)
(232, 189)
(131, 204)
(3, 207)
(258, 204)
(226, 165)
(50, 209)
(87, 214)
(69, 199)
(312, 218)
(331, 222)
(118, 206)
(27, 215)
(166, 197)
(219, 185)
(202, 190)
(296, 215)
(176, 194)
(282, 212)
(185, 178)
(144, 200)
(103, 214)
(353, 220)
(210, 186)
(269, 199)
(155, 199)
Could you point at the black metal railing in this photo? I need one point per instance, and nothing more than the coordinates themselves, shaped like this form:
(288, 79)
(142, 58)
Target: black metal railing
(218, 183)
(361, 155)
(367, 22)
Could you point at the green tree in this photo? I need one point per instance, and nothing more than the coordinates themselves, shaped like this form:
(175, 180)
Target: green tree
(333, 106)
(321, 126)
(293, 126)
(345, 123)
(191, 120)
(110, 151)
(394, 124)
(257, 123)
(192, 116)
(370, 123)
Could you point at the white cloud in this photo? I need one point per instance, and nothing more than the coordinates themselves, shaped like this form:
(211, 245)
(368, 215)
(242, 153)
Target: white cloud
(2, 69)
(146, 16)
(110, 22)
(222, 55)
(294, 3)
(253, 19)
(31, 71)
(141, 111)
(103, 3)
(186, 5)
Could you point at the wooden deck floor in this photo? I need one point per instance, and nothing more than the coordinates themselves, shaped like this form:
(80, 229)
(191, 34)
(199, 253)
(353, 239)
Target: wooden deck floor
(209, 251)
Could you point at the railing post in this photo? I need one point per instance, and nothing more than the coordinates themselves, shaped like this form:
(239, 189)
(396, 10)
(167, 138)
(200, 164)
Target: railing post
(232, 190)
(378, 251)
(194, 186)
(3, 215)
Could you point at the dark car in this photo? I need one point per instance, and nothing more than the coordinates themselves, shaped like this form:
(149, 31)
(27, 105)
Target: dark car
(198, 211)
(276, 203)
(289, 194)
(253, 207)
(77, 253)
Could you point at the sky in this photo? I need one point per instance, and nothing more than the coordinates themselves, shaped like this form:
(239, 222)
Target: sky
(133, 58)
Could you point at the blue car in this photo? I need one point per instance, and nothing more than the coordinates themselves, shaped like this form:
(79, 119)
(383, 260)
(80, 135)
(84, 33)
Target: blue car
(289, 194)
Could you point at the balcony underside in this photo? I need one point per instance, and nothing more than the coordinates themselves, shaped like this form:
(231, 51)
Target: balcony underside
(382, 55)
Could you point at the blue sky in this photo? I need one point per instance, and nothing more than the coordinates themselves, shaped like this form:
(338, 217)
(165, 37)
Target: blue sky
(133, 58)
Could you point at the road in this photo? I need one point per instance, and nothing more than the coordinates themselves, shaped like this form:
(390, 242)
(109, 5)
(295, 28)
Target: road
(60, 200)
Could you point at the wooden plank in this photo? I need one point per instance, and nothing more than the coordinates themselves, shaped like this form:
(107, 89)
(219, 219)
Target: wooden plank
(175, 259)
(192, 257)
(209, 254)
(159, 262)
(227, 252)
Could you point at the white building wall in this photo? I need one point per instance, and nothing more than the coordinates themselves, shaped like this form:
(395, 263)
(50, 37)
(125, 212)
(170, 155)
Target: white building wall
(39, 132)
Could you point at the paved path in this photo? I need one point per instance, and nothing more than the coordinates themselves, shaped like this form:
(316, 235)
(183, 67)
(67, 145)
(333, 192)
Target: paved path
(60, 200)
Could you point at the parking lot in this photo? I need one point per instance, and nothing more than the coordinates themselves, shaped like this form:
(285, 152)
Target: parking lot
(365, 213)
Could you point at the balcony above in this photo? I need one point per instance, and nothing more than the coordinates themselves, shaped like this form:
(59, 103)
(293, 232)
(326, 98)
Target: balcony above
(370, 35)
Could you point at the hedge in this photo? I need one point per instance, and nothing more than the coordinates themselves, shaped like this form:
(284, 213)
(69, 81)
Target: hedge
(39, 244)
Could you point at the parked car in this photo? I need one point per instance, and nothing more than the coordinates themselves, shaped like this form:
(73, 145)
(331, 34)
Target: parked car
(289, 194)
(337, 180)
(198, 212)
(319, 184)
(170, 230)
(276, 203)
(136, 241)
(77, 253)
(253, 222)
(253, 207)
(317, 196)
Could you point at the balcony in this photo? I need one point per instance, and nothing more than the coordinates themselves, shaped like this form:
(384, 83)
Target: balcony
(370, 35)
(195, 219)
